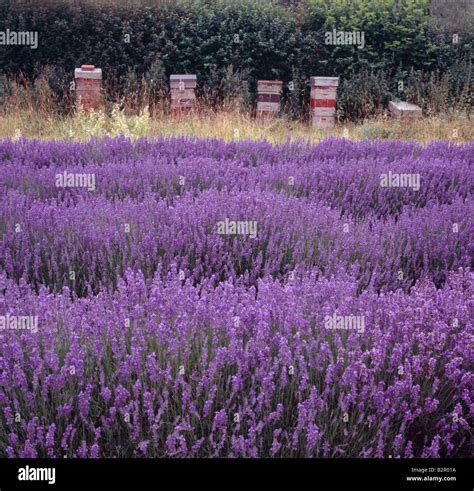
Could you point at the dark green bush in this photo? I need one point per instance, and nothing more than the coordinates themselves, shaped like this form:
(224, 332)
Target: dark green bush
(231, 44)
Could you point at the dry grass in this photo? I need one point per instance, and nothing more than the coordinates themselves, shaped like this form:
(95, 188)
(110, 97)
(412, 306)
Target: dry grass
(31, 111)
(227, 124)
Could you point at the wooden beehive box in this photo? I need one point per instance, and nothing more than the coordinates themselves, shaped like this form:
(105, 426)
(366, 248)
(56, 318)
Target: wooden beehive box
(404, 110)
(323, 101)
(268, 98)
(88, 80)
(183, 92)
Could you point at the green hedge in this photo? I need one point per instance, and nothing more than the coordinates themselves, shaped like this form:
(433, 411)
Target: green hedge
(231, 44)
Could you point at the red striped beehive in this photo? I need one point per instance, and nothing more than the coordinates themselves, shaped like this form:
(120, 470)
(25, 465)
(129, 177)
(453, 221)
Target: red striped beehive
(183, 93)
(323, 101)
(268, 98)
(88, 80)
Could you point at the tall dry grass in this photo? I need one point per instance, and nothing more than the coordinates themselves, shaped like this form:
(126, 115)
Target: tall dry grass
(33, 111)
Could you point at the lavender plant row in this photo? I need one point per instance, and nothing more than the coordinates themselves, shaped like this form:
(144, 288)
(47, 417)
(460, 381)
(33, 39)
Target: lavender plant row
(97, 239)
(341, 174)
(192, 298)
(174, 370)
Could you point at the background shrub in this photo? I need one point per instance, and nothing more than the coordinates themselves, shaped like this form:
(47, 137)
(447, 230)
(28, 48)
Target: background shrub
(231, 44)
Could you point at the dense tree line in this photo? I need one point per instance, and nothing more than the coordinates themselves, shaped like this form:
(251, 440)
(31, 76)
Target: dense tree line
(410, 47)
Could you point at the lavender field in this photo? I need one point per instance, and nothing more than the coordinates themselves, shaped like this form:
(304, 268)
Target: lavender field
(186, 297)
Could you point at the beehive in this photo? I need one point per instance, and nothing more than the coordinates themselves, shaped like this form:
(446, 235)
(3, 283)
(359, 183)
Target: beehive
(404, 110)
(268, 98)
(88, 80)
(323, 101)
(183, 93)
